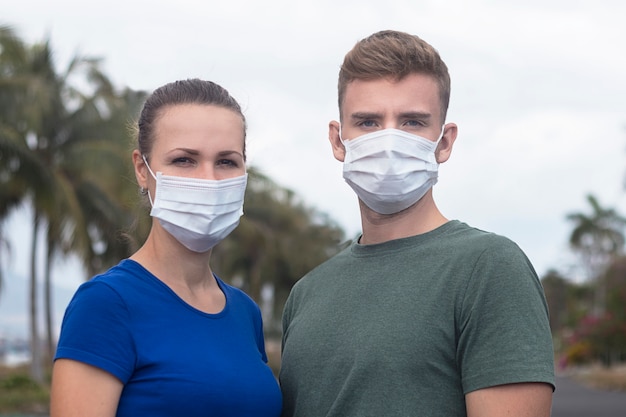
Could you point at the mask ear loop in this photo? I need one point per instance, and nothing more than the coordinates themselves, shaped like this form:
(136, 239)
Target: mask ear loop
(443, 129)
(153, 176)
(340, 138)
(148, 165)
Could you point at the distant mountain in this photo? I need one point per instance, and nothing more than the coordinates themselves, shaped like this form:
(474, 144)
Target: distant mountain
(14, 301)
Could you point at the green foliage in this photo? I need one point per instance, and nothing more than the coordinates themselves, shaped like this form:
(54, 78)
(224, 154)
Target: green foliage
(600, 233)
(605, 337)
(597, 237)
(20, 394)
(583, 335)
(18, 382)
(64, 149)
(590, 322)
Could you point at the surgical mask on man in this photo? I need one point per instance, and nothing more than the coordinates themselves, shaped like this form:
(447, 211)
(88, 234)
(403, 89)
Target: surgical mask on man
(199, 213)
(390, 169)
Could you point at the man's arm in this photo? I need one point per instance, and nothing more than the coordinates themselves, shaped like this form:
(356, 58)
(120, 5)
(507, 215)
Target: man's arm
(533, 399)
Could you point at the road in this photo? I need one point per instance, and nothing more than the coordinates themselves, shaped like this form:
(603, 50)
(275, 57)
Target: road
(572, 399)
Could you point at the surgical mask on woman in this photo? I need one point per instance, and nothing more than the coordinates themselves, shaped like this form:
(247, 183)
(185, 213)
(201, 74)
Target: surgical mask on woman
(199, 213)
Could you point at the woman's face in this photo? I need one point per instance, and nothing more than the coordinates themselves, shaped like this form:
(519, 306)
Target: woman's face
(198, 141)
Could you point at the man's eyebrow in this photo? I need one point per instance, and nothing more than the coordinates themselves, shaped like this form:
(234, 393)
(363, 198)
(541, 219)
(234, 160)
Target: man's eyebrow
(415, 115)
(365, 115)
(403, 115)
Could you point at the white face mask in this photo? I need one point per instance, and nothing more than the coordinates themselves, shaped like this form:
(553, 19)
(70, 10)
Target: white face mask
(390, 169)
(198, 213)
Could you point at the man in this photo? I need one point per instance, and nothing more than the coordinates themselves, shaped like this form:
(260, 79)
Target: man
(421, 316)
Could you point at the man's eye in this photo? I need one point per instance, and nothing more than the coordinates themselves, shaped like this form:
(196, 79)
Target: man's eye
(367, 123)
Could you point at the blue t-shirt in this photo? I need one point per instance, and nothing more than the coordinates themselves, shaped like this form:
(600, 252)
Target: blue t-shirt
(173, 359)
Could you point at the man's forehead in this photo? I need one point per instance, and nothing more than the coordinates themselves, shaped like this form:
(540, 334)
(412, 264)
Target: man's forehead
(418, 94)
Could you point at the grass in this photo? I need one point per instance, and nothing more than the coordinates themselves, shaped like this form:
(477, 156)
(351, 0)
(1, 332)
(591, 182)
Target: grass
(20, 394)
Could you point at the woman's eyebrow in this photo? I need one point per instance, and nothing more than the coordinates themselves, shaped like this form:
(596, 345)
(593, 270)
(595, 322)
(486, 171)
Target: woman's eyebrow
(187, 150)
(226, 153)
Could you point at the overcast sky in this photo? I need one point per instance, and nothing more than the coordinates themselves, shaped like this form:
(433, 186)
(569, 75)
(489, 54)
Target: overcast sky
(538, 93)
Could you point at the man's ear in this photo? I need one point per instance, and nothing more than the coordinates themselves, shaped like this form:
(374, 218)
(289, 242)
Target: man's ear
(339, 151)
(444, 149)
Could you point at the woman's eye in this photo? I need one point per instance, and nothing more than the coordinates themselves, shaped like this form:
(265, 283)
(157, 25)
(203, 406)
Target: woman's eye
(228, 162)
(182, 161)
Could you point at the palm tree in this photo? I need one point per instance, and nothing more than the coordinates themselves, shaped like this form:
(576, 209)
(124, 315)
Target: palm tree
(57, 156)
(22, 171)
(94, 173)
(11, 194)
(598, 238)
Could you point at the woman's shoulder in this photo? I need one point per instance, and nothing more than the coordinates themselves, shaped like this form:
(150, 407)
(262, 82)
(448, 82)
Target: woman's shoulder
(118, 279)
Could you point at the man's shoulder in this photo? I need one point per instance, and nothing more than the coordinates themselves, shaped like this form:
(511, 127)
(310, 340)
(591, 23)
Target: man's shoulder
(475, 236)
(328, 268)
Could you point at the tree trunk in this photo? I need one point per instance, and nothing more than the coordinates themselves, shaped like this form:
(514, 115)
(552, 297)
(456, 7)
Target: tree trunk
(48, 306)
(36, 370)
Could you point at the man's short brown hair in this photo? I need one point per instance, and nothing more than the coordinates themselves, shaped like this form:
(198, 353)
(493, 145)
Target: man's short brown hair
(392, 54)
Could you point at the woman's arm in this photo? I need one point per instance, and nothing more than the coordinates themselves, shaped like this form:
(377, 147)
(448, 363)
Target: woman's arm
(81, 390)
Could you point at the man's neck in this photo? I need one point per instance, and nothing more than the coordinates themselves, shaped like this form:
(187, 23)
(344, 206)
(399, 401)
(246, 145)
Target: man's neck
(422, 217)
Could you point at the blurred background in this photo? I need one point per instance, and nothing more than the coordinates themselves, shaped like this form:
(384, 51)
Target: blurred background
(537, 92)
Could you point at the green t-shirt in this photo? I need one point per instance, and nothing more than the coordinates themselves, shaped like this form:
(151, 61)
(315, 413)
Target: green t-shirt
(408, 327)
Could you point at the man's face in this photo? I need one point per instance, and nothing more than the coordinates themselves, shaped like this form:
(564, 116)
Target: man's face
(411, 104)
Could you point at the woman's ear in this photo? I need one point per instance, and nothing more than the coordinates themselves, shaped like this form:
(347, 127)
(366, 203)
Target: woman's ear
(444, 149)
(141, 169)
(339, 151)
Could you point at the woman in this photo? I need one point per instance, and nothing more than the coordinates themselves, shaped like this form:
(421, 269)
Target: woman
(159, 334)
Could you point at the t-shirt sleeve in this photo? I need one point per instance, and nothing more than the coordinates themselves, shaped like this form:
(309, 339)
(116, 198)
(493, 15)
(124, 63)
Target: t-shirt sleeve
(504, 328)
(95, 331)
